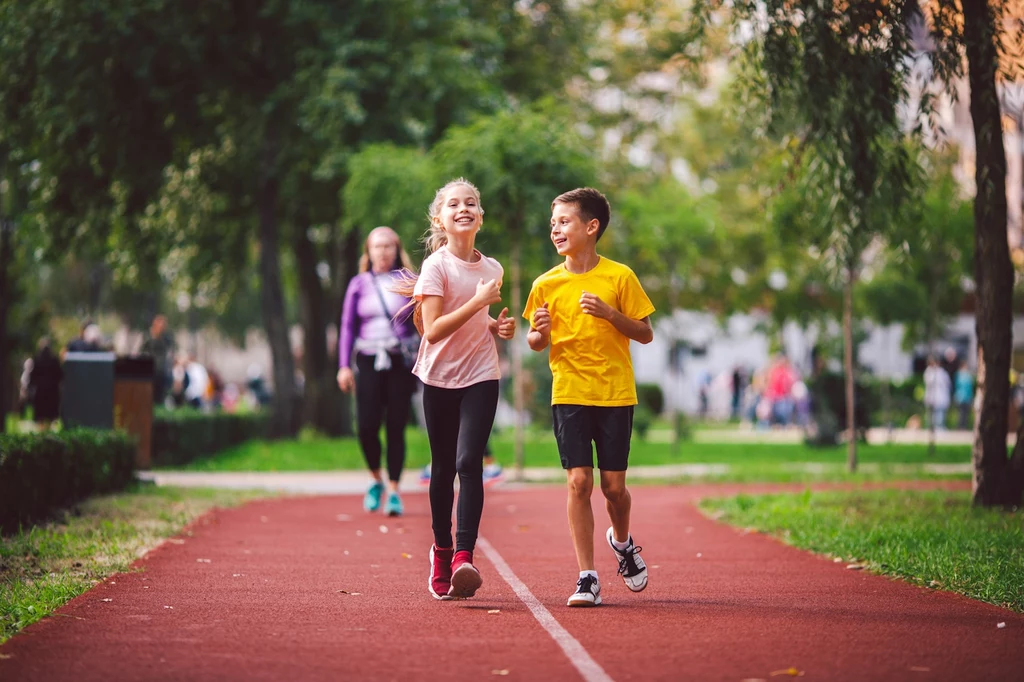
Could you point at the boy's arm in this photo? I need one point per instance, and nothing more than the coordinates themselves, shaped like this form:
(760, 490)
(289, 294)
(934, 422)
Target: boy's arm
(540, 330)
(636, 330)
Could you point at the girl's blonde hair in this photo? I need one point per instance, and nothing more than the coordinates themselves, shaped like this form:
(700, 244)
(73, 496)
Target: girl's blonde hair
(402, 259)
(434, 238)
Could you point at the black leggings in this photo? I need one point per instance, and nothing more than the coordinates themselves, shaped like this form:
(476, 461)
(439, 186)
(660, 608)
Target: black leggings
(459, 421)
(377, 392)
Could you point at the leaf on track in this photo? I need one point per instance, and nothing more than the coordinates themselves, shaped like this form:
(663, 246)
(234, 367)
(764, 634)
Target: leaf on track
(406, 555)
(203, 561)
(383, 529)
(106, 600)
(788, 672)
(494, 612)
(351, 594)
(502, 672)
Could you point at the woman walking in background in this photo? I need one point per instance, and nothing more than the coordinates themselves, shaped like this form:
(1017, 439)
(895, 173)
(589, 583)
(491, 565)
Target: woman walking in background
(44, 385)
(376, 351)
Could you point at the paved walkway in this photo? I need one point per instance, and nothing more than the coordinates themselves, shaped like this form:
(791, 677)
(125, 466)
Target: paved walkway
(355, 482)
(312, 588)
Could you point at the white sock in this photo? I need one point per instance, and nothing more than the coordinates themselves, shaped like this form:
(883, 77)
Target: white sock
(622, 546)
(592, 574)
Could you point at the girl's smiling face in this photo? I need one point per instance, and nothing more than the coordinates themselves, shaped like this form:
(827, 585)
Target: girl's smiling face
(461, 212)
(569, 232)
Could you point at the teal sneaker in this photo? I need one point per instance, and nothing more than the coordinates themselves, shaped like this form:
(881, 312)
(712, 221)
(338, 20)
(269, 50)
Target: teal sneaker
(393, 507)
(371, 502)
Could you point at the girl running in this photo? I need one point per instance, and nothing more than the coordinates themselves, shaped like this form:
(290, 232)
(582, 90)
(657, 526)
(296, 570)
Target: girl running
(458, 365)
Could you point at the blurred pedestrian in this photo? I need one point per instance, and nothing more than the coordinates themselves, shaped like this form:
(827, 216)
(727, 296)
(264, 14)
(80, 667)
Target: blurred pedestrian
(88, 339)
(44, 383)
(198, 384)
(963, 394)
(377, 346)
(936, 393)
(161, 346)
(25, 389)
(737, 392)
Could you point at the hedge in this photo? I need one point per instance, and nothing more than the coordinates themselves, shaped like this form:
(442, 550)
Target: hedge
(180, 436)
(40, 473)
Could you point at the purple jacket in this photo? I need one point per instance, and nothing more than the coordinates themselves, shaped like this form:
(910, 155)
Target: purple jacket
(363, 319)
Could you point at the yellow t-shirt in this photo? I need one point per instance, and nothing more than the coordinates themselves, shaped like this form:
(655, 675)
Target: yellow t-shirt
(590, 360)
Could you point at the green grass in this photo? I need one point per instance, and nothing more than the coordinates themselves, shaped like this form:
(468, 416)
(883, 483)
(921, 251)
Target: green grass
(43, 567)
(936, 539)
(749, 461)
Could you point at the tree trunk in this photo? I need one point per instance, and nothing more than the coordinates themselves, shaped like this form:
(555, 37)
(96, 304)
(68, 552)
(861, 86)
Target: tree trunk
(6, 253)
(929, 330)
(319, 403)
(518, 398)
(993, 271)
(851, 423)
(272, 299)
(886, 392)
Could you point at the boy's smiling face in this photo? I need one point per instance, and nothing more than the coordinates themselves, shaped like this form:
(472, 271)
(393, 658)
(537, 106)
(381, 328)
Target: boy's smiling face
(569, 232)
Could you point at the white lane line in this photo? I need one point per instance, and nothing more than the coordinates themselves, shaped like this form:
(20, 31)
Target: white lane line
(578, 656)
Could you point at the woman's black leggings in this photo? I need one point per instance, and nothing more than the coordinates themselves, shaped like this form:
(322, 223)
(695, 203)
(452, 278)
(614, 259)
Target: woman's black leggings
(383, 396)
(459, 421)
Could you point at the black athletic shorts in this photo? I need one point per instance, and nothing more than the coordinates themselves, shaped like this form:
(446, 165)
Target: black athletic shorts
(609, 428)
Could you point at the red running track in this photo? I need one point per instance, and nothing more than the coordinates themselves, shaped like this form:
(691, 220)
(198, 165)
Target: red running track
(255, 593)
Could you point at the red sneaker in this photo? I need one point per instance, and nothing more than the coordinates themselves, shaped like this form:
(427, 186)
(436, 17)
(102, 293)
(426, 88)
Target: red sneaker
(440, 572)
(465, 579)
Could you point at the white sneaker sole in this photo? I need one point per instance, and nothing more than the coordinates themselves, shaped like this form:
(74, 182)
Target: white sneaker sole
(430, 580)
(584, 602)
(636, 589)
(466, 581)
(642, 575)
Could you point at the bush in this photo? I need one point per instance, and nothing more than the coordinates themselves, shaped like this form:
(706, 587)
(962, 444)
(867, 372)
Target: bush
(180, 436)
(652, 397)
(828, 408)
(642, 420)
(40, 473)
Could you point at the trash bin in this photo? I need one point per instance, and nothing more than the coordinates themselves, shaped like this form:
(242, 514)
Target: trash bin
(87, 398)
(133, 403)
(103, 391)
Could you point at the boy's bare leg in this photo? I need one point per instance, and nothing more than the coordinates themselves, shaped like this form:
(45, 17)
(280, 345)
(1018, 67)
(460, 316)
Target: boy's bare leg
(617, 501)
(581, 515)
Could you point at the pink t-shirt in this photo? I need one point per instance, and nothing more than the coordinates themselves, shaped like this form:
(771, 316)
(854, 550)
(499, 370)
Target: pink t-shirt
(470, 354)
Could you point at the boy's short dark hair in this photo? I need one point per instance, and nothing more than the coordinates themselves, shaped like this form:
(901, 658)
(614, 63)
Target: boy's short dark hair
(590, 203)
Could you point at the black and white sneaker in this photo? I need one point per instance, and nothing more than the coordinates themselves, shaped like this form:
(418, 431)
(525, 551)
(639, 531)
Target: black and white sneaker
(588, 592)
(631, 567)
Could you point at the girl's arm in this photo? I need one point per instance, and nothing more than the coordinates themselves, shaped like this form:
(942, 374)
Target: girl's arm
(437, 327)
(504, 327)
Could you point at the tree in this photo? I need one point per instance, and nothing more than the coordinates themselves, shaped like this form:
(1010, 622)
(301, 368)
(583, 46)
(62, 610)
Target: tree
(977, 29)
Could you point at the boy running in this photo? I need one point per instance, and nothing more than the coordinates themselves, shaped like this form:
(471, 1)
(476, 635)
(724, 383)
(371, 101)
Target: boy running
(588, 309)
